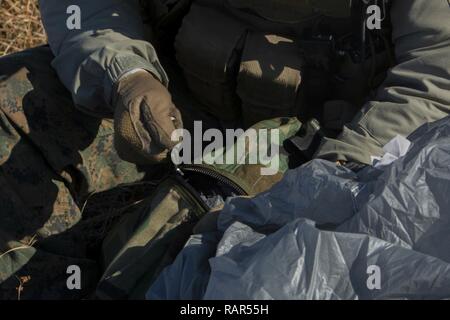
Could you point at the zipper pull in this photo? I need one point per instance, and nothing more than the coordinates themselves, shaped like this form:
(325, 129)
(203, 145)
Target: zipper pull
(178, 171)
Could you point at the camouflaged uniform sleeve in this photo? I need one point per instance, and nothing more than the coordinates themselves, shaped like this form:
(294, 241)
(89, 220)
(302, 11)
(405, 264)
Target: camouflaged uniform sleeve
(109, 44)
(416, 90)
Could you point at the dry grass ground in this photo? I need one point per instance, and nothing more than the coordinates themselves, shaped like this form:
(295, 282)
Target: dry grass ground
(20, 25)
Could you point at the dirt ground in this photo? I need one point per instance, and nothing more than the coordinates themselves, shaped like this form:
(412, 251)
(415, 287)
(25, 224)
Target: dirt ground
(20, 26)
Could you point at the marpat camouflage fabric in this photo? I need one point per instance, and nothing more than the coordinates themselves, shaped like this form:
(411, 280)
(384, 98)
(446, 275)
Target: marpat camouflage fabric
(52, 156)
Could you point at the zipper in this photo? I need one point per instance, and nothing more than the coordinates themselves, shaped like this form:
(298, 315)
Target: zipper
(190, 190)
(213, 174)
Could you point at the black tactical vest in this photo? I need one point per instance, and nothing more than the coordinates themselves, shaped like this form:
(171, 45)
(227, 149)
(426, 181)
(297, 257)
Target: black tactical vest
(253, 60)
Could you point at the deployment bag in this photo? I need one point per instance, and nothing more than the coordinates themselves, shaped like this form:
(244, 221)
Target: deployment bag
(148, 239)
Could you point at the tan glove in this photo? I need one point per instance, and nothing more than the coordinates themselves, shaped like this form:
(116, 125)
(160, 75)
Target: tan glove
(144, 118)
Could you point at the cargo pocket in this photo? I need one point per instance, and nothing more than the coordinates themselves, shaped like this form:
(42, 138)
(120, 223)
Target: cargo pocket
(208, 48)
(147, 240)
(269, 78)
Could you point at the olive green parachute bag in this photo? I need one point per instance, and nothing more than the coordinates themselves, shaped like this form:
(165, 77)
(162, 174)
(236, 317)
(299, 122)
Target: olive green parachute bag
(147, 240)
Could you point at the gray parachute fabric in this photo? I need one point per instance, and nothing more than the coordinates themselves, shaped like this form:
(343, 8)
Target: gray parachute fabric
(325, 232)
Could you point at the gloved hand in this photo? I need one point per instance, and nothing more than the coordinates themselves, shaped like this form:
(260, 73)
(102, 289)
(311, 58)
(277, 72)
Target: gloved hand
(144, 118)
